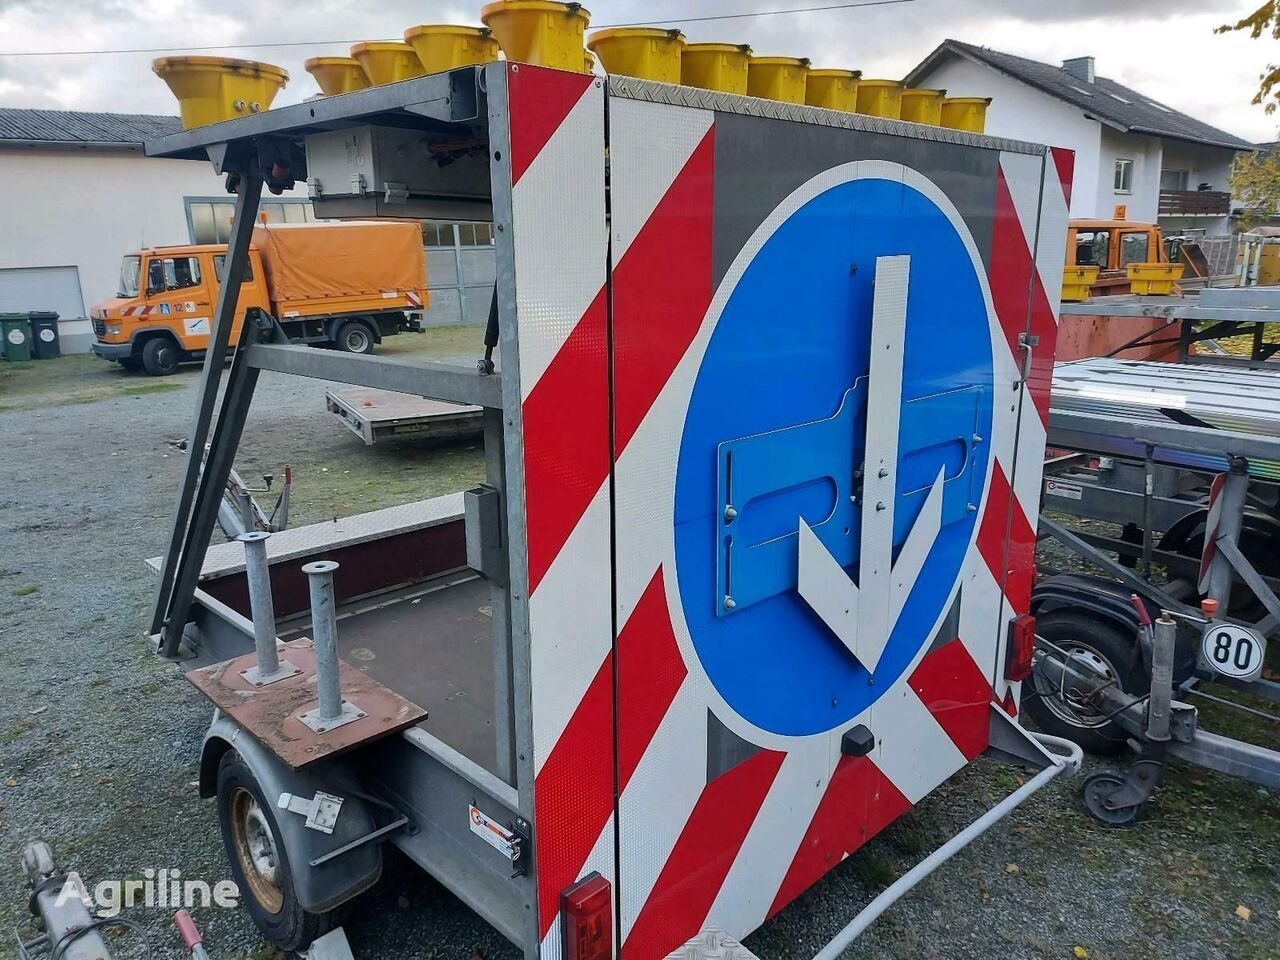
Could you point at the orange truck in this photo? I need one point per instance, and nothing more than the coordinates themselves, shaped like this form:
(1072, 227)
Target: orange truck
(1111, 245)
(342, 284)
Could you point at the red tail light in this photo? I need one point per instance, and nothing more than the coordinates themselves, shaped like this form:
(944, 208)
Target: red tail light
(1022, 644)
(586, 913)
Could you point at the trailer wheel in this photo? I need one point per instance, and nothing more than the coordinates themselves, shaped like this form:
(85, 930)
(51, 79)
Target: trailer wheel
(1102, 644)
(259, 862)
(354, 336)
(160, 357)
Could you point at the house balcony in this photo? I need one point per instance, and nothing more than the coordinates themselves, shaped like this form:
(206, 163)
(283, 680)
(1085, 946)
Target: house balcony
(1194, 203)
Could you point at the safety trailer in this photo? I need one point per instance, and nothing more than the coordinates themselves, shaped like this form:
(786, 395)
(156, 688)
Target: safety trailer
(749, 575)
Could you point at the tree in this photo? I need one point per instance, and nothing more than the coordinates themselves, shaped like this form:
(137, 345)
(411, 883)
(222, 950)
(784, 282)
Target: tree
(1255, 184)
(1266, 19)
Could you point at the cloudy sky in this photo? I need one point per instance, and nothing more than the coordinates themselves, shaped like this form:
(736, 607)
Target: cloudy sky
(1164, 48)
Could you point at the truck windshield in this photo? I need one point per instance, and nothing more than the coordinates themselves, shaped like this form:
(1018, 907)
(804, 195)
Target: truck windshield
(130, 275)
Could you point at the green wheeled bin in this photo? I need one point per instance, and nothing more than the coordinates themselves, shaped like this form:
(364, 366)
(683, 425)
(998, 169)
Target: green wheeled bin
(15, 329)
(45, 343)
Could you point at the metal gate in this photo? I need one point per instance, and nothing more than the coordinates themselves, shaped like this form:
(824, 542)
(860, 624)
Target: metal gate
(460, 271)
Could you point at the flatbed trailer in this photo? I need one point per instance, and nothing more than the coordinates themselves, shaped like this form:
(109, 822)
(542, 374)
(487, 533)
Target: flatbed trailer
(374, 415)
(1187, 459)
(680, 708)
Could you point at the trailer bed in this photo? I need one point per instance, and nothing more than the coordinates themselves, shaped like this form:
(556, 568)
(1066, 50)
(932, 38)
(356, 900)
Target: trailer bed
(374, 415)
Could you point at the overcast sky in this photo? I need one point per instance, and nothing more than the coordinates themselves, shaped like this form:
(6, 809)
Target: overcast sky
(1164, 48)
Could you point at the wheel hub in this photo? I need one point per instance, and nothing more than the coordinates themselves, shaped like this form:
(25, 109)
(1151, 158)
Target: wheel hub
(1070, 704)
(256, 851)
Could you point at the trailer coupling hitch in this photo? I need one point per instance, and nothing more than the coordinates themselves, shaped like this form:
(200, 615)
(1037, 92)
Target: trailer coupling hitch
(59, 901)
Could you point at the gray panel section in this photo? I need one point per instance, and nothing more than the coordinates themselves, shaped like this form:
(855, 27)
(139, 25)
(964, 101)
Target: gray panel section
(682, 96)
(761, 161)
(725, 749)
(950, 626)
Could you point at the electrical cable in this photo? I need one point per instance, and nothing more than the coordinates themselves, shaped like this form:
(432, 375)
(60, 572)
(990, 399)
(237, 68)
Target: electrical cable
(318, 43)
(59, 949)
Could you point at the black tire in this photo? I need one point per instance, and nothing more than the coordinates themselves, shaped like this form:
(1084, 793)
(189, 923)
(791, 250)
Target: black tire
(160, 357)
(1106, 644)
(354, 336)
(250, 836)
(131, 365)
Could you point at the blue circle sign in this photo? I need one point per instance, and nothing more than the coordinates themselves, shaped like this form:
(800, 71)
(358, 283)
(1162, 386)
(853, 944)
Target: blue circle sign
(791, 343)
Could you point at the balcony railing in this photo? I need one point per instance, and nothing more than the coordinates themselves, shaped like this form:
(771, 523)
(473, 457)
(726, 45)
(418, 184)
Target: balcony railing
(1194, 203)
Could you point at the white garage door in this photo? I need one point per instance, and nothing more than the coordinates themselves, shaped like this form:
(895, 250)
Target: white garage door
(23, 289)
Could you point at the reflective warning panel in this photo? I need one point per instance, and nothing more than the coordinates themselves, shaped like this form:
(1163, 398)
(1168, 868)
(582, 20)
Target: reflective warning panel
(826, 340)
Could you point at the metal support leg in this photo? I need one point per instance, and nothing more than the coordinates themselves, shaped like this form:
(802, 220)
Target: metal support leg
(270, 667)
(237, 259)
(241, 382)
(333, 710)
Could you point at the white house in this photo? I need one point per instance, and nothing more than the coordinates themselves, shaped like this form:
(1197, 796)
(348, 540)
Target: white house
(77, 193)
(1161, 165)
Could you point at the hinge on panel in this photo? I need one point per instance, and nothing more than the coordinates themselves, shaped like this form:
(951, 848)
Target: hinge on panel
(357, 185)
(314, 190)
(396, 193)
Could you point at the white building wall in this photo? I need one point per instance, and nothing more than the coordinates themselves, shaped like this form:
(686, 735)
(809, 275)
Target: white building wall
(1024, 113)
(1143, 199)
(87, 208)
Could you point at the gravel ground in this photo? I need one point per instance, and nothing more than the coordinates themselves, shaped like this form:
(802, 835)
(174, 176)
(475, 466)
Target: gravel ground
(99, 738)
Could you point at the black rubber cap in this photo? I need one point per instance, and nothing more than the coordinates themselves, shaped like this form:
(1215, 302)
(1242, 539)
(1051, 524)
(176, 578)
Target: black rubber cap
(857, 742)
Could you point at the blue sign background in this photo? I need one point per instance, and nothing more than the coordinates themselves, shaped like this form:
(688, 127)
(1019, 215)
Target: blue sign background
(793, 338)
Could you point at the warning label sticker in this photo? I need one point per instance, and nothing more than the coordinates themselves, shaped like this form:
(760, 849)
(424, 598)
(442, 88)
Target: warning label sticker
(195, 326)
(1063, 488)
(493, 833)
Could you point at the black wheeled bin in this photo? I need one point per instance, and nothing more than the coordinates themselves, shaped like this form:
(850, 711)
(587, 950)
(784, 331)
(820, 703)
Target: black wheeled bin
(45, 344)
(15, 334)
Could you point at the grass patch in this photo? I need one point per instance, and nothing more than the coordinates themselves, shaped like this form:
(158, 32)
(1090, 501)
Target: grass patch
(19, 730)
(145, 388)
(874, 869)
(26, 591)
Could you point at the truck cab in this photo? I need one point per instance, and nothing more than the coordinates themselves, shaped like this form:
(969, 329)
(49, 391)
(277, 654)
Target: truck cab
(1111, 245)
(164, 306)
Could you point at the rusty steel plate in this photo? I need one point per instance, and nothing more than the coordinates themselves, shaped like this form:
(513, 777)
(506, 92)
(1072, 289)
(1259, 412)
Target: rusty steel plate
(271, 713)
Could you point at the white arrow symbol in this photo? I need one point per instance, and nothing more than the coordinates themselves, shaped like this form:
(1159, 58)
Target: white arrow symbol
(863, 615)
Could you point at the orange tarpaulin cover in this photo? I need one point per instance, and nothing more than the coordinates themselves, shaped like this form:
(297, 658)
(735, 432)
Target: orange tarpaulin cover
(309, 261)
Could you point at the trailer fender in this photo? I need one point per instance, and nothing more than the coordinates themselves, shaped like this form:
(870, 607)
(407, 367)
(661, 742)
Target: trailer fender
(1110, 601)
(331, 884)
(1107, 599)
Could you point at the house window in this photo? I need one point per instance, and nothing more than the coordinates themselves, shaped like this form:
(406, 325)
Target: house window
(209, 219)
(1173, 179)
(1124, 176)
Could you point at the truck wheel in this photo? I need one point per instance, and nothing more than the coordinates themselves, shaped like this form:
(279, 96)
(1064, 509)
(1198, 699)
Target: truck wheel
(1105, 646)
(160, 357)
(354, 336)
(259, 863)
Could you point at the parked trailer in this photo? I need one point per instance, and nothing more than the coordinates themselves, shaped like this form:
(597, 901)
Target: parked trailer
(800, 342)
(1187, 458)
(374, 415)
